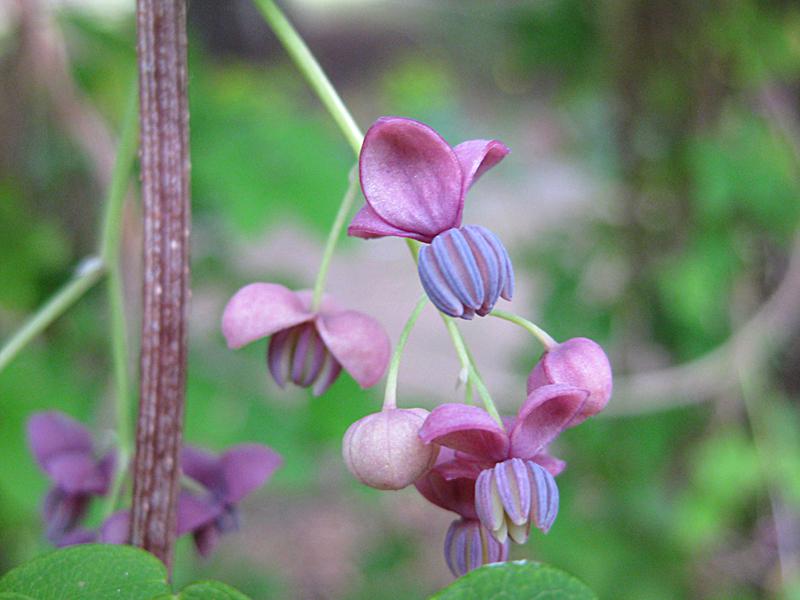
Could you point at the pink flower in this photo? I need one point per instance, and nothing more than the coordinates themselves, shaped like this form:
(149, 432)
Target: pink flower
(308, 348)
(414, 182)
(502, 476)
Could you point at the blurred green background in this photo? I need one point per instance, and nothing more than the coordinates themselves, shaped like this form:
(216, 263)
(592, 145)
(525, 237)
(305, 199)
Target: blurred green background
(650, 203)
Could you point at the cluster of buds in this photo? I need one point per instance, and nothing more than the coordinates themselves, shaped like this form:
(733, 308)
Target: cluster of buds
(64, 450)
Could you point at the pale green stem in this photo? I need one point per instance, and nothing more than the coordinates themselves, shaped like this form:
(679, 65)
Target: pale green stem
(91, 271)
(110, 248)
(305, 61)
(333, 237)
(390, 397)
(537, 332)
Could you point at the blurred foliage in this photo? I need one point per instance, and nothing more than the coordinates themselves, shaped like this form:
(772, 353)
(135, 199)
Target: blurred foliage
(659, 100)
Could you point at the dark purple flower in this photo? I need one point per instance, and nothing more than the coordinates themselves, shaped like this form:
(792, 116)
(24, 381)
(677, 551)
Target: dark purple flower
(63, 449)
(494, 464)
(307, 348)
(228, 478)
(579, 362)
(468, 545)
(414, 183)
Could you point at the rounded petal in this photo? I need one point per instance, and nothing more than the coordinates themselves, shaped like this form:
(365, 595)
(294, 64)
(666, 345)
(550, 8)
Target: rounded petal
(467, 429)
(246, 468)
(261, 309)
(367, 224)
(206, 539)
(555, 466)
(579, 362)
(358, 342)
(478, 156)
(456, 495)
(194, 512)
(77, 536)
(410, 176)
(52, 433)
(77, 472)
(543, 416)
(115, 529)
(468, 545)
(204, 467)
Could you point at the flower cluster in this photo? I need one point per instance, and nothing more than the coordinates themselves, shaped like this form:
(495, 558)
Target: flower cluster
(63, 449)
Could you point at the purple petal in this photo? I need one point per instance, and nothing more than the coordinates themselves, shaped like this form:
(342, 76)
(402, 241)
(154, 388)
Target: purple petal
(410, 176)
(543, 416)
(115, 529)
(554, 465)
(204, 467)
(261, 309)
(367, 224)
(580, 362)
(330, 371)
(544, 505)
(246, 468)
(62, 512)
(476, 157)
(467, 429)
(358, 342)
(53, 433)
(194, 512)
(488, 504)
(77, 536)
(456, 495)
(77, 472)
(514, 489)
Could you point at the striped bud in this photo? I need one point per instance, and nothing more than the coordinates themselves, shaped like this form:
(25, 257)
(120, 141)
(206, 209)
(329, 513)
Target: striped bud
(299, 355)
(512, 495)
(464, 271)
(468, 545)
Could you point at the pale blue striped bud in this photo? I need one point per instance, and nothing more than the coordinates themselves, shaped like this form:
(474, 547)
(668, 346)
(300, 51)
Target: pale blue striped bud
(468, 545)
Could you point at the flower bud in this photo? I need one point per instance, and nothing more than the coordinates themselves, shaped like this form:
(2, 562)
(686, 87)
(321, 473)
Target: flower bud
(512, 495)
(581, 363)
(468, 545)
(383, 450)
(464, 271)
(299, 355)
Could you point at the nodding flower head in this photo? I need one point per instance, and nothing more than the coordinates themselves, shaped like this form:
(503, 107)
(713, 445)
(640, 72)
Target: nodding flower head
(581, 363)
(64, 450)
(468, 546)
(414, 183)
(383, 450)
(308, 347)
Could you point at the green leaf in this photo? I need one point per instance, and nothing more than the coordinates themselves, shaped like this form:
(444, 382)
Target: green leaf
(206, 590)
(519, 580)
(14, 596)
(88, 572)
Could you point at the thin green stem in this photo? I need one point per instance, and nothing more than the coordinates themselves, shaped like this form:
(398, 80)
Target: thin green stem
(305, 61)
(86, 275)
(110, 248)
(390, 396)
(537, 332)
(333, 237)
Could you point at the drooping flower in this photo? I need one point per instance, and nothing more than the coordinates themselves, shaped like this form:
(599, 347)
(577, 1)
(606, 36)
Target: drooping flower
(502, 476)
(579, 362)
(64, 450)
(228, 478)
(308, 348)
(468, 545)
(383, 450)
(414, 183)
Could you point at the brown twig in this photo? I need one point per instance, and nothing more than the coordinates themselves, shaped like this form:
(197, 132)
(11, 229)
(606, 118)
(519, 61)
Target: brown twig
(164, 119)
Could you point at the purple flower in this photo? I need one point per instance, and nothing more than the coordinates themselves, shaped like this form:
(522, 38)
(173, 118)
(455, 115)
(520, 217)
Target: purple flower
(228, 478)
(63, 449)
(506, 469)
(307, 348)
(414, 184)
(579, 362)
(468, 545)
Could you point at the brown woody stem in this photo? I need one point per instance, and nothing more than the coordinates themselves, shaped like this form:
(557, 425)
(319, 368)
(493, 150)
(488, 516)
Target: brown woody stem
(164, 121)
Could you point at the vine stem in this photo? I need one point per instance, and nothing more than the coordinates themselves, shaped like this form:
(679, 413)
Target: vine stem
(390, 396)
(333, 237)
(540, 334)
(164, 126)
(305, 61)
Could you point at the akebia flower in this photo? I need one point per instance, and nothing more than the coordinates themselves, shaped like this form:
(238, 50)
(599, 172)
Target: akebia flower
(383, 450)
(308, 348)
(64, 450)
(468, 545)
(227, 478)
(507, 468)
(579, 362)
(414, 183)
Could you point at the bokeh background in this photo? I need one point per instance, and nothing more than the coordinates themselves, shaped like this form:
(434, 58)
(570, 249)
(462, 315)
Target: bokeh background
(650, 202)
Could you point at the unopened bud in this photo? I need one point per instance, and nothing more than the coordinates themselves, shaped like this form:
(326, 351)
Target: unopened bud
(383, 450)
